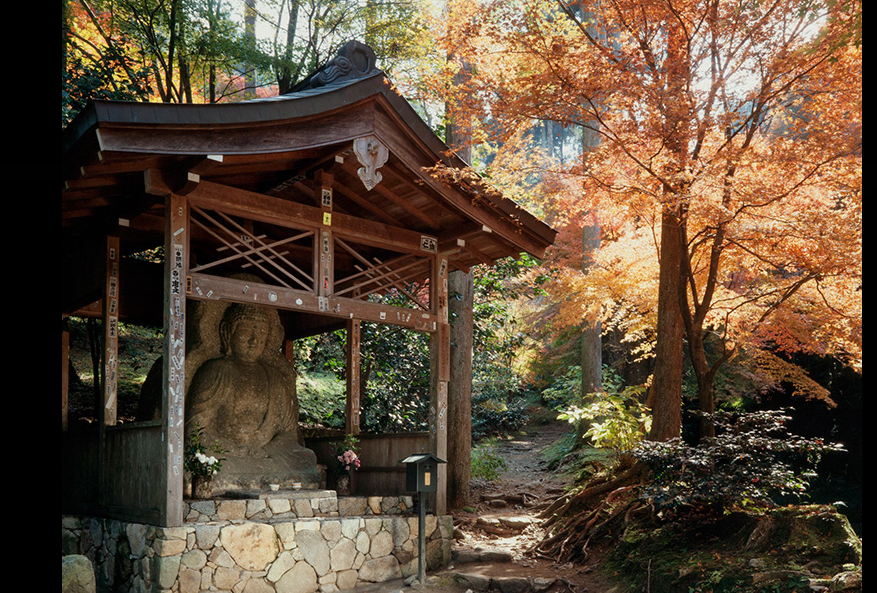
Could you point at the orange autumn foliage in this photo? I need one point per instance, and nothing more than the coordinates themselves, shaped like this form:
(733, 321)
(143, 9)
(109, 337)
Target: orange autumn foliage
(739, 122)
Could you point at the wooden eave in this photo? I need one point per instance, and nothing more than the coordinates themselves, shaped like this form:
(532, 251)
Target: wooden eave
(115, 153)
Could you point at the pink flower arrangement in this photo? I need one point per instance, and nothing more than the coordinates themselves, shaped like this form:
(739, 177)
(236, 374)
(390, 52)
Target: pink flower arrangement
(349, 459)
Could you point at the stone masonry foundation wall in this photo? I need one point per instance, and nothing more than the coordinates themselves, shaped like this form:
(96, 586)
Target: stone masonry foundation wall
(272, 544)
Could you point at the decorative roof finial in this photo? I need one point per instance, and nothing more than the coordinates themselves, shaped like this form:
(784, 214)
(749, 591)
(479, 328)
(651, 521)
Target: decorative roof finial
(354, 60)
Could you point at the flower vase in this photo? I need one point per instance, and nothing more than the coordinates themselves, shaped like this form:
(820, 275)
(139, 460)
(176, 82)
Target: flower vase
(201, 487)
(342, 488)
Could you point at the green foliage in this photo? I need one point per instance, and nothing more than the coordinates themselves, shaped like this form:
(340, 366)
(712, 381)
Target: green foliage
(346, 452)
(496, 414)
(395, 366)
(498, 386)
(564, 391)
(713, 553)
(753, 460)
(115, 77)
(139, 348)
(486, 463)
(617, 419)
(395, 363)
(321, 399)
(793, 584)
(580, 463)
(617, 422)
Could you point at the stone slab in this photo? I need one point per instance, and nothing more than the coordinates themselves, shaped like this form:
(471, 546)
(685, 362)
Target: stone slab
(291, 494)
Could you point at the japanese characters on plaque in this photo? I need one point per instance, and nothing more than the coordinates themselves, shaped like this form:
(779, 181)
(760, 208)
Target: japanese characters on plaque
(112, 330)
(428, 244)
(177, 356)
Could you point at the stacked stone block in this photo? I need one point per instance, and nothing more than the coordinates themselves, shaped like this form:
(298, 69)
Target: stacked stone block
(257, 546)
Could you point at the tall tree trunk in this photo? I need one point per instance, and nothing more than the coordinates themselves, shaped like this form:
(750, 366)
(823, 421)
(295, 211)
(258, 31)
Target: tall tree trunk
(183, 66)
(592, 340)
(592, 343)
(460, 302)
(213, 17)
(287, 75)
(250, 41)
(461, 293)
(665, 394)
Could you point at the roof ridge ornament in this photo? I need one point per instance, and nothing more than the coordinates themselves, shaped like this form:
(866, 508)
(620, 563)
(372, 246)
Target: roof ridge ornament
(354, 60)
(371, 154)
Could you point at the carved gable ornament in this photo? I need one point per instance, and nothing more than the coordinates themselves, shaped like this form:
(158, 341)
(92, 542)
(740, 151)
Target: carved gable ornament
(354, 60)
(371, 155)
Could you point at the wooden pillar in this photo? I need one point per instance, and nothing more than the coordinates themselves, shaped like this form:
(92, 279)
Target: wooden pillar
(439, 346)
(107, 400)
(174, 381)
(354, 389)
(325, 246)
(111, 333)
(289, 350)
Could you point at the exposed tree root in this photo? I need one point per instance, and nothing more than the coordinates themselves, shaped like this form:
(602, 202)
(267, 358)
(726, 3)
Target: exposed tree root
(598, 509)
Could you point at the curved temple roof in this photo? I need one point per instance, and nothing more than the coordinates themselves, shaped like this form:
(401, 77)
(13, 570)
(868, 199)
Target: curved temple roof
(119, 157)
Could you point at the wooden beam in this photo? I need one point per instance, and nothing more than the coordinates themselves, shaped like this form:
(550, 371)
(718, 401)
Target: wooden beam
(206, 287)
(363, 203)
(255, 206)
(460, 284)
(428, 221)
(256, 252)
(206, 164)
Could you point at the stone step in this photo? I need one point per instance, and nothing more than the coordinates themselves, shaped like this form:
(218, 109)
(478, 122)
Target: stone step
(479, 581)
(292, 504)
(474, 568)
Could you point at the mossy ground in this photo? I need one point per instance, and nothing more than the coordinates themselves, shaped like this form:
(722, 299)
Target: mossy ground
(740, 552)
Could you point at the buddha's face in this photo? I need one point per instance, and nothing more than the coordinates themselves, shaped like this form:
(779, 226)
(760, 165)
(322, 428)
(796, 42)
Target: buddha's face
(248, 340)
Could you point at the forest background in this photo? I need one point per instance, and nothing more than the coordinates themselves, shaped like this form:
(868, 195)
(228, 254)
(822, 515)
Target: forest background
(701, 161)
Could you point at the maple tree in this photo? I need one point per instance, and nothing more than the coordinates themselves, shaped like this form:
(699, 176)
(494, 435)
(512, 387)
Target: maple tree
(730, 148)
(200, 51)
(93, 68)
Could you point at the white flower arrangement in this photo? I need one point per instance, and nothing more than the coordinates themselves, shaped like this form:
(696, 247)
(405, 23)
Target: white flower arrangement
(211, 463)
(198, 460)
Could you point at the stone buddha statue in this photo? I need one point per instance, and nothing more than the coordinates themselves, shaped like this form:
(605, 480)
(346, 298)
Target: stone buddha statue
(245, 400)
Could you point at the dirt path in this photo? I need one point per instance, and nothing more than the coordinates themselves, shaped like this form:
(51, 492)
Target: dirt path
(490, 552)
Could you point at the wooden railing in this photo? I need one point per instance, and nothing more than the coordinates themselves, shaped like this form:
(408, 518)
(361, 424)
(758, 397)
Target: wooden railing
(380, 473)
(119, 480)
(122, 479)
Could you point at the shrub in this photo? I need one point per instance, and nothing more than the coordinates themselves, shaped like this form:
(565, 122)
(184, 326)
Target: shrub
(752, 460)
(563, 391)
(486, 464)
(617, 419)
(321, 399)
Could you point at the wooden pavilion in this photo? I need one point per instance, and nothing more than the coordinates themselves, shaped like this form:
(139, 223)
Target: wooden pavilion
(328, 193)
